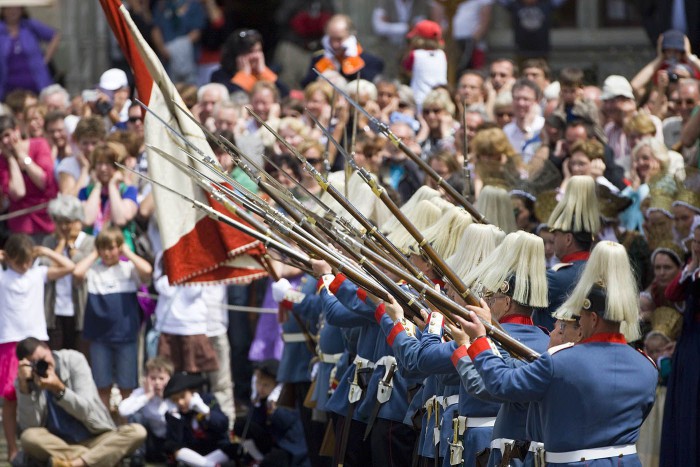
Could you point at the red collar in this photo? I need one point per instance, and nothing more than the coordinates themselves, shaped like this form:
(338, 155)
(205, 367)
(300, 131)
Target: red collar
(577, 256)
(611, 337)
(516, 319)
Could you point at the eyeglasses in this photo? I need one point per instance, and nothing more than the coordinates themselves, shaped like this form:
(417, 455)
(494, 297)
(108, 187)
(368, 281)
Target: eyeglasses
(135, 119)
(432, 111)
(314, 161)
(688, 102)
(491, 300)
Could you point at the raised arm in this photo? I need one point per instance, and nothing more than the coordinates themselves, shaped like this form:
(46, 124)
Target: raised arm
(62, 266)
(123, 210)
(84, 265)
(143, 267)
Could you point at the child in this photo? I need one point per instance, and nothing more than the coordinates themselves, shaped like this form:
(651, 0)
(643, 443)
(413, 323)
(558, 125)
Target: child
(147, 406)
(112, 311)
(427, 62)
(22, 314)
(271, 435)
(572, 105)
(74, 172)
(197, 429)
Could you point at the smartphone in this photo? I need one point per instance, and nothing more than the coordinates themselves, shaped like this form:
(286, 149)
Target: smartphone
(89, 95)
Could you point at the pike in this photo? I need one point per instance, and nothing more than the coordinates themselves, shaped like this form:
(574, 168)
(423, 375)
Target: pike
(467, 190)
(384, 129)
(370, 228)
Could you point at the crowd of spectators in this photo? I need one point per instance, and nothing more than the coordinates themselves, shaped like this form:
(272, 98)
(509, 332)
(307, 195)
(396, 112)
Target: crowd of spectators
(515, 126)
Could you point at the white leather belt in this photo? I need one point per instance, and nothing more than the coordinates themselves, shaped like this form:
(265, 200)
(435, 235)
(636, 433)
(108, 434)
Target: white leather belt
(449, 400)
(293, 337)
(534, 446)
(329, 357)
(386, 360)
(362, 362)
(500, 443)
(480, 422)
(590, 454)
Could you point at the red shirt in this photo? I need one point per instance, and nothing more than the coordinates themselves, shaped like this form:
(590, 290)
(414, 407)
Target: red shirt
(37, 221)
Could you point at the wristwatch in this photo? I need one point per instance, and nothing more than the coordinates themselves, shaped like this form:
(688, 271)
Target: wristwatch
(27, 161)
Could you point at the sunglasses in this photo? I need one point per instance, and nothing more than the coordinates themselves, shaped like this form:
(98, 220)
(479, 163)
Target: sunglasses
(135, 119)
(432, 111)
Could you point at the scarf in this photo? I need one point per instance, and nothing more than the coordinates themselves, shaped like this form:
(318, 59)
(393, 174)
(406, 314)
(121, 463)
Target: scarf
(348, 64)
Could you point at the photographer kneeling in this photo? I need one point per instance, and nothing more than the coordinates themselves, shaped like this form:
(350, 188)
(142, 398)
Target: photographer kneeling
(60, 411)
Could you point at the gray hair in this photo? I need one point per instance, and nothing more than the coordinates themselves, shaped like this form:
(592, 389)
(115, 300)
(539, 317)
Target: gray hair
(54, 89)
(66, 207)
(217, 87)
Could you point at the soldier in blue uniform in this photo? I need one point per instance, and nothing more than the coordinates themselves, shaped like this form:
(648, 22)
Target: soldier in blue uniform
(575, 222)
(302, 308)
(612, 384)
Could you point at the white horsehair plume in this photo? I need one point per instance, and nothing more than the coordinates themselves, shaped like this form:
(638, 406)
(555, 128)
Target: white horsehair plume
(423, 193)
(494, 203)
(424, 215)
(477, 242)
(493, 260)
(610, 267)
(445, 234)
(578, 210)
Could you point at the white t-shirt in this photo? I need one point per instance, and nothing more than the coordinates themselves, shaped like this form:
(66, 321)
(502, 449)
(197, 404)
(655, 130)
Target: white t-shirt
(181, 310)
(70, 166)
(64, 287)
(429, 70)
(22, 305)
(522, 141)
(467, 17)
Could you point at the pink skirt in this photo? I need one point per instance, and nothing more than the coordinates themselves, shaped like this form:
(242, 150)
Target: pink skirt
(8, 370)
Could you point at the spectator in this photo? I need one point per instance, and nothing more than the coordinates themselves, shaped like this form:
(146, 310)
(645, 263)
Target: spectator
(58, 138)
(264, 100)
(401, 173)
(469, 27)
(471, 91)
(208, 96)
(23, 63)
(586, 158)
(115, 86)
(65, 299)
(26, 178)
(64, 421)
(343, 53)
(493, 156)
(426, 62)
(34, 119)
(524, 131)
(531, 21)
(21, 302)
(74, 172)
(438, 114)
(503, 109)
(108, 201)
(112, 313)
(536, 70)
(243, 64)
(177, 30)
(147, 406)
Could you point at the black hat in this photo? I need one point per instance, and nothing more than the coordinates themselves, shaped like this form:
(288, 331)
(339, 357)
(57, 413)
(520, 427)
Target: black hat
(268, 367)
(182, 381)
(595, 302)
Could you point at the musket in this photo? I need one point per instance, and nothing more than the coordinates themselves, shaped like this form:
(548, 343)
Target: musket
(370, 228)
(424, 245)
(326, 153)
(348, 169)
(467, 190)
(385, 130)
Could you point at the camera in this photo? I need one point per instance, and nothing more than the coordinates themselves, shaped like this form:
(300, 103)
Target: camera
(41, 368)
(103, 107)
(672, 77)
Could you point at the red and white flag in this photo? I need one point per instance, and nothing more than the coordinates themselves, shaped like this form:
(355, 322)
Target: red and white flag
(195, 247)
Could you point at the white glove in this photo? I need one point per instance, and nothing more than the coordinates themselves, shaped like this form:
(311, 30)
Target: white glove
(280, 289)
(198, 405)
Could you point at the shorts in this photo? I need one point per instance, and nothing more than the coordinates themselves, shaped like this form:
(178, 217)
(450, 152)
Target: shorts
(8, 370)
(114, 363)
(193, 354)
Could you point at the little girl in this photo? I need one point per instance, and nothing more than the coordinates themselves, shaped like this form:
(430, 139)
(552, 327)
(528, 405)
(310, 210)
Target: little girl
(426, 62)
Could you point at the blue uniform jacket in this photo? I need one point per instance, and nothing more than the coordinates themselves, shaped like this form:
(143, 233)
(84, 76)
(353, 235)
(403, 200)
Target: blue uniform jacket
(294, 364)
(560, 283)
(605, 388)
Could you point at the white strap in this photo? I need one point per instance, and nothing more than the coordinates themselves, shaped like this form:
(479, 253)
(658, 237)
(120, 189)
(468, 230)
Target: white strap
(386, 360)
(590, 454)
(329, 357)
(480, 422)
(449, 400)
(429, 402)
(535, 446)
(500, 443)
(293, 337)
(362, 362)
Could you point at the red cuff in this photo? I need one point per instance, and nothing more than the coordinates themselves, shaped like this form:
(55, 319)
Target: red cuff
(379, 312)
(478, 346)
(362, 294)
(335, 285)
(459, 354)
(395, 331)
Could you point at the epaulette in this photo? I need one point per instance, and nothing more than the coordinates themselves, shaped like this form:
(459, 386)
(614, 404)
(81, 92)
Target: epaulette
(557, 348)
(648, 358)
(559, 266)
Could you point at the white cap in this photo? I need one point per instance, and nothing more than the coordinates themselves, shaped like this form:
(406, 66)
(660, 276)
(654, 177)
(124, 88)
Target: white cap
(616, 85)
(113, 80)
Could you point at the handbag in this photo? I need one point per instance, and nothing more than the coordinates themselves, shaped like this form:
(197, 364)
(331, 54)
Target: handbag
(62, 424)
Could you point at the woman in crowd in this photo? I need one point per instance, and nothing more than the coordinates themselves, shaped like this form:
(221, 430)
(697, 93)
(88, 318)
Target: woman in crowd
(437, 133)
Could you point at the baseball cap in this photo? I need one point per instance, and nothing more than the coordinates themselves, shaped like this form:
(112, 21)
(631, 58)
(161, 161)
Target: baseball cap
(673, 40)
(427, 30)
(113, 80)
(616, 85)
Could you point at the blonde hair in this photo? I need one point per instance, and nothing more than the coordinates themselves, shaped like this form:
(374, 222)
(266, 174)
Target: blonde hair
(445, 234)
(319, 86)
(578, 210)
(658, 150)
(640, 124)
(526, 261)
(367, 88)
(477, 242)
(423, 193)
(295, 124)
(439, 98)
(423, 216)
(492, 141)
(610, 267)
(495, 204)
